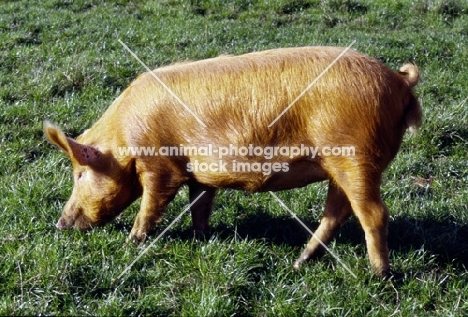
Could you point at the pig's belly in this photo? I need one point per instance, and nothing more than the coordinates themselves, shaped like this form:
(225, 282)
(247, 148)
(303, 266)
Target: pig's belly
(297, 174)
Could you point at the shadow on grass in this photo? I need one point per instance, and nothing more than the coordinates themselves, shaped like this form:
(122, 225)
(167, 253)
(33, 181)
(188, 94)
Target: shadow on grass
(446, 239)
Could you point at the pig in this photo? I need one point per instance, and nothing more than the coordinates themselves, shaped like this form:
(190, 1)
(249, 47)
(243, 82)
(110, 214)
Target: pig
(240, 101)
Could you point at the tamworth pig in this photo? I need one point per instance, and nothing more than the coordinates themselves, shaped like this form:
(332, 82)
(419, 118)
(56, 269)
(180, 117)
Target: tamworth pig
(358, 103)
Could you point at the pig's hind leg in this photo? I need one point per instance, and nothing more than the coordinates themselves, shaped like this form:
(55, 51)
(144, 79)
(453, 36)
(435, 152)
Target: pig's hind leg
(337, 211)
(356, 191)
(373, 216)
(362, 187)
(201, 209)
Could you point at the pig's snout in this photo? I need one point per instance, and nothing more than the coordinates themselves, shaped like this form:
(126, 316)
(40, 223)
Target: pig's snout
(74, 218)
(61, 224)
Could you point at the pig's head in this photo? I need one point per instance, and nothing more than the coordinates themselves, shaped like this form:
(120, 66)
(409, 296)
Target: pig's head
(103, 187)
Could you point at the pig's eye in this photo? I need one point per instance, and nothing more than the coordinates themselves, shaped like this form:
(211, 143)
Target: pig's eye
(79, 175)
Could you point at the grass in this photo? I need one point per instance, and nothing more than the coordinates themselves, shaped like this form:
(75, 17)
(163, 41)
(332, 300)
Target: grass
(61, 60)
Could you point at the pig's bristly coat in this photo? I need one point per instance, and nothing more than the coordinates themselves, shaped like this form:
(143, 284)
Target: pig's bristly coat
(358, 102)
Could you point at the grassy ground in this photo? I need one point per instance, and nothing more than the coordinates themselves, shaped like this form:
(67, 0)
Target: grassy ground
(61, 60)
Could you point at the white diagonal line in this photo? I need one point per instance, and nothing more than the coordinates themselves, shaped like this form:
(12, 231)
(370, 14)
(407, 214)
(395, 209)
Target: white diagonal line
(158, 237)
(463, 102)
(313, 235)
(312, 83)
(162, 83)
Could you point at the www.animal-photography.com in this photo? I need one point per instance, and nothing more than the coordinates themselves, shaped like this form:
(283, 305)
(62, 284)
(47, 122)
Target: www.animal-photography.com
(234, 158)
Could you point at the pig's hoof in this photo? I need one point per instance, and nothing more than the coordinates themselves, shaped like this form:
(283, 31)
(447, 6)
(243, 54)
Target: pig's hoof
(201, 235)
(135, 239)
(297, 265)
(387, 275)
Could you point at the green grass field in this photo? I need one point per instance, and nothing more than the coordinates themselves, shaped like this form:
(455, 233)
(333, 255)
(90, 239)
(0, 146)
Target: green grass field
(61, 60)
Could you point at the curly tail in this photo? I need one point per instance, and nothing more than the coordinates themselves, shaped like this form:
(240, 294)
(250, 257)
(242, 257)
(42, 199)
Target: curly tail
(410, 74)
(413, 111)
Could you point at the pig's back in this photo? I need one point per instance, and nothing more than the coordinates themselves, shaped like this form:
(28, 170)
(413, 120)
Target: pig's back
(238, 97)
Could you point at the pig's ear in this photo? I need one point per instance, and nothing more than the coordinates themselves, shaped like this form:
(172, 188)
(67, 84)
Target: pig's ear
(82, 154)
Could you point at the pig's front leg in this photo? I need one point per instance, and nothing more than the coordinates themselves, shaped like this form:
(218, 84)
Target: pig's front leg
(155, 198)
(201, 209)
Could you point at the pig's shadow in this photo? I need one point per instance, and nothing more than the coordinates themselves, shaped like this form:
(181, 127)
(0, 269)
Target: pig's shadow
(446, 239)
